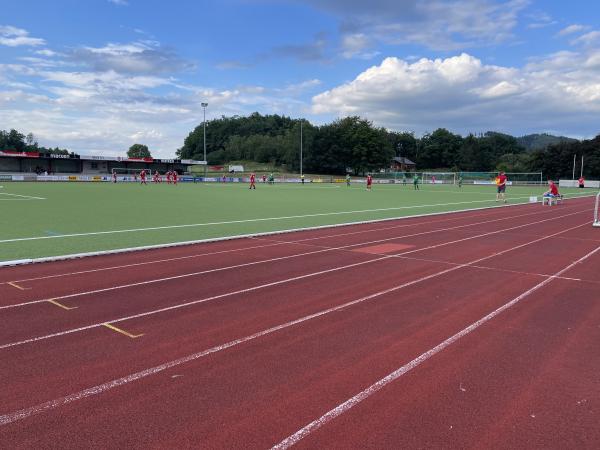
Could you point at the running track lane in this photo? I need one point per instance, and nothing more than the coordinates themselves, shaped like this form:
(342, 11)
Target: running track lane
(213, 325)
(527, 381)
(377, 316)
(108, 305)
(66, 280)
(155, 261)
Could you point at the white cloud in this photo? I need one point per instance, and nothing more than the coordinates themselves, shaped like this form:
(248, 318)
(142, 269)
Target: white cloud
(560, 92)
(14, 37)
(357, 45)
(145, 56)
(119, 2)
(571, 29)
(540, 20)
(105, 112)
(46, 52)
(437, 24)
(298, 88)
(591, 38)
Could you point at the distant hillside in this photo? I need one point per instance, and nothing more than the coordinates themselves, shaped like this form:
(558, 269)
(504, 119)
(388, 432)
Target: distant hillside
(541, 141)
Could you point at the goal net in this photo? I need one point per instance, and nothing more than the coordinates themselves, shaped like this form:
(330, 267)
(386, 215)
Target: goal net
(514, 178)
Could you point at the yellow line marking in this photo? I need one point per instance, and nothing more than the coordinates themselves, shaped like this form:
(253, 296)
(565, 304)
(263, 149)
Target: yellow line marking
(60, 305)
(15, 285)
(118, 330)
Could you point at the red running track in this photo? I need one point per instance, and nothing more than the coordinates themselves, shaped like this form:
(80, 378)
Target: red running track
(469, 330)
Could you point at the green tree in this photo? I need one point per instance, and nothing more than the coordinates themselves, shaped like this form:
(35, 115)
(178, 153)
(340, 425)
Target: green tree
(138, 151)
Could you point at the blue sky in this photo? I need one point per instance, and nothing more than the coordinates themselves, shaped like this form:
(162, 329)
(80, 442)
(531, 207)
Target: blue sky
(96, 76)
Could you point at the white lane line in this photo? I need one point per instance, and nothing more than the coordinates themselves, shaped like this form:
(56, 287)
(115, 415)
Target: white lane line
(229, 222)
(244, 236)
(375, 387)
(26, 197)
(495, 269)
(297, 255)
(154, 261)
(276, 283)
(99, 389)
(196, 255)
(296, 241)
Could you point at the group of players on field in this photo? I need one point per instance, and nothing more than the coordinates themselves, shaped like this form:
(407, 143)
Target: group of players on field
(171, 176)
(500, 181)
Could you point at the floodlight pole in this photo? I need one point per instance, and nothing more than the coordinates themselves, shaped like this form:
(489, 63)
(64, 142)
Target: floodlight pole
(581, 176)
(574, 159)
(204, 105)
(301, 120)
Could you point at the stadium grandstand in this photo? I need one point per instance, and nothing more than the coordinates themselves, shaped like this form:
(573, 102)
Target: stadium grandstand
(30, 165)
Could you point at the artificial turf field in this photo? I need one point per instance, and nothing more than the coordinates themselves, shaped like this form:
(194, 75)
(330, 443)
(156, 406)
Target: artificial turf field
(53, 219)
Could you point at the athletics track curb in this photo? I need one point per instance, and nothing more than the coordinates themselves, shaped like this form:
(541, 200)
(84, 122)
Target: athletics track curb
(20, 262)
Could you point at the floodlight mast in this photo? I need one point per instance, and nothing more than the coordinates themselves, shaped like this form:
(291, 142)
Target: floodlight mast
(204, 105)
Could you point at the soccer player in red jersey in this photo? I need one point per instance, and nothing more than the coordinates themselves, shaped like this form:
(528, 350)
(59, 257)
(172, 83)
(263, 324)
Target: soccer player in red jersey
(114, 176)
(252, 181)
(501, 183)
(174, 176)
(581, 183)
(143, 176)
(369, 181)
(264, 178)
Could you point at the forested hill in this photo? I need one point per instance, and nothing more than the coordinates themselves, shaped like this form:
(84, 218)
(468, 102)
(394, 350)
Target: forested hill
(541, 141)
(354, 143)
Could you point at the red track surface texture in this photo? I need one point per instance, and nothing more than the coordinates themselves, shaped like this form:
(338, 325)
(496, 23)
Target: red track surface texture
(471, 330)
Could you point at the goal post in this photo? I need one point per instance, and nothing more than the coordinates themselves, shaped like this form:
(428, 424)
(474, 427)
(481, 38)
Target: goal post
(597, 211)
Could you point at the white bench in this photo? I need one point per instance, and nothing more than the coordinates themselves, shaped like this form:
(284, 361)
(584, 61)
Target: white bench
(556, 199)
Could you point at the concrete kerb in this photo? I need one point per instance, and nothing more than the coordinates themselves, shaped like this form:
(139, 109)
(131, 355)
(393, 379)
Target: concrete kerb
(25, 261)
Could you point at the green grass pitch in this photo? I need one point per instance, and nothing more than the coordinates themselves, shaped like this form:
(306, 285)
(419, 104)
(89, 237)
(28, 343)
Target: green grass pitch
(52, 219)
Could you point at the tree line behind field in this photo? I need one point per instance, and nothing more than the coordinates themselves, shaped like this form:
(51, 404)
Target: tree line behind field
(354, 143)
(14, 140)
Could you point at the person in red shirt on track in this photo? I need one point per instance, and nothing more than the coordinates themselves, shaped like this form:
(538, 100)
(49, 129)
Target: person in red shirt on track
(143, 177)
(581, 183)
(252, 181)
(552, 193)
(501, 183)
(175, 175)
(369, 182)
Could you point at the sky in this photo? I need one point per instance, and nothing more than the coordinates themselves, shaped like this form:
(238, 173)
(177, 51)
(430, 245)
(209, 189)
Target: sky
(96, 76)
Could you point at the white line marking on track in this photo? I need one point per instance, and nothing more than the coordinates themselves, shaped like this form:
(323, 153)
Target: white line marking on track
(297, 255)
(99, 389)
(375, 387)
(275, 243)
(229, 222)
(280, 282)
(297, 241)
(243, 236)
